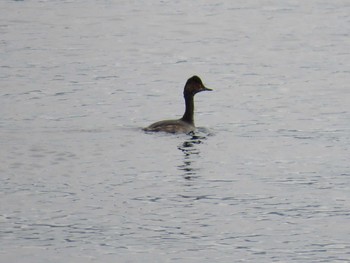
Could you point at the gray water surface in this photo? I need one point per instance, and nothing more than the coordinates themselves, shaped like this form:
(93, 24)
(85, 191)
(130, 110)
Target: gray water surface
(265, 178)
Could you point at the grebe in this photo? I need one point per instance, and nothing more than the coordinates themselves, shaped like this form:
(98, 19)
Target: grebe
(186, 123)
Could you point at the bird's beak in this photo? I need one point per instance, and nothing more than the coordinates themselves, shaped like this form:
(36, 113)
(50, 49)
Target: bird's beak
(205, 88)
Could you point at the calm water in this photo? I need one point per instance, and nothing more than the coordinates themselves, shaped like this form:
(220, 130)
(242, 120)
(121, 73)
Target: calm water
(266, 178)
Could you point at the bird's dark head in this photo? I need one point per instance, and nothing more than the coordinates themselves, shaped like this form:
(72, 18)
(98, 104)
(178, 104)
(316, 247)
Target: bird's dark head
(193, 86)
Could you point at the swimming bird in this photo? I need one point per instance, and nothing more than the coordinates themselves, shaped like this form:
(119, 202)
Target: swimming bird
(186, 123)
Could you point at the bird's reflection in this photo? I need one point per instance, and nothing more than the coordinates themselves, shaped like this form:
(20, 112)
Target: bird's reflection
(190, 150)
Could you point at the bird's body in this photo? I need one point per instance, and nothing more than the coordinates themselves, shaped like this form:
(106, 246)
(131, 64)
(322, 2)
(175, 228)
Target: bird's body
(171, 126)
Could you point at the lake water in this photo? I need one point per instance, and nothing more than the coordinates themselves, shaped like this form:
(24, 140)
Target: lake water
(265, 178)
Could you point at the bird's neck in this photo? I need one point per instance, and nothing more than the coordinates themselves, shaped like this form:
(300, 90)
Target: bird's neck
(188, 115)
